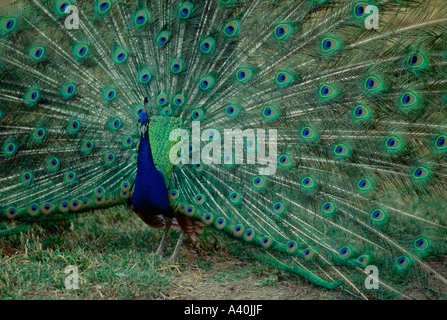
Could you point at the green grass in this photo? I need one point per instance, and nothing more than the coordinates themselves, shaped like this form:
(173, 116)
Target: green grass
(113, 253)
(113, 258)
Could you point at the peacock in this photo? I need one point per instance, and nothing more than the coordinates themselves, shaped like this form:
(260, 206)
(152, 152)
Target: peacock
(315, 131)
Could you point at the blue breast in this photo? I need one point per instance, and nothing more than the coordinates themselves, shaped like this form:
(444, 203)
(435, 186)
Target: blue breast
(150, 195)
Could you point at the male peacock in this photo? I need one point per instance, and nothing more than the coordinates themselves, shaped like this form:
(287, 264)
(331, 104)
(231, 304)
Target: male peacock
(355, 180)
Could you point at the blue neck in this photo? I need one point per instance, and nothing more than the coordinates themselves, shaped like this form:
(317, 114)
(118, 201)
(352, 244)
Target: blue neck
(145, 162)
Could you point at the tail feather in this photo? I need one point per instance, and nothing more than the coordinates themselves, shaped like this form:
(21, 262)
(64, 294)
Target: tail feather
(359, 113)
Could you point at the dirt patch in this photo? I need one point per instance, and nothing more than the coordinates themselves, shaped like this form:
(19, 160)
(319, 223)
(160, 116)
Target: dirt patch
(224, 277)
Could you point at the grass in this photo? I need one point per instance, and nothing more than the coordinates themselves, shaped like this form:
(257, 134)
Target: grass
(113, 253)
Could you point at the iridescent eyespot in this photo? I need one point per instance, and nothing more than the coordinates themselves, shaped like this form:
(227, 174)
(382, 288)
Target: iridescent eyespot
(99, 191)
(207, 45)
(11, 213)
(270, 113)
(283, 31)
(402, 262)
(10, 149)
(308, 254)
(103, 6)
(234, 197)
(185, 10)
(345, 252)
(284, 160)
(109, 158)
(179, 100)
(341, 150)
(361, 112)
(220, 223)
(32, 97)
(73, 127)
(87, 146)
(420, 173)
(80, 51)
(207, 218)
(307, 182)
(266, 242)
(284, 78)
(197, 114)
(372, 84)
(37, 53)
(162, 99)
(8, 24)
(328, 208)
(228, 159)
(26, 177)
(125, 186)
(308, 133)
(173, 194)
(206, 83)
(141, 17)
(409, 99)
(329, 45)
(326, 91)
(53, 164)
(360, 10)
(238, 230)
(378, 215)
(144, 76)
(258, 182)
(127, 142)
(421, 243)
(46, 208)
(39, 134)
(109, 94)
(232, 110)
(68, 90)
(416, 60)
(278, 207)
(441, 142)
(177, 66)
(249, 235)
(120, 55)
(243, 75)
(393, 143)
(70, 177)
(163, 38)
(364, 184)
(62, 6)
(291, 246)
(231, 29)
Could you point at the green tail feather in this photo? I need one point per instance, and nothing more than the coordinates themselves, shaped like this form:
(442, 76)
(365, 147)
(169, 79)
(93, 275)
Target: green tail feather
(359, 113)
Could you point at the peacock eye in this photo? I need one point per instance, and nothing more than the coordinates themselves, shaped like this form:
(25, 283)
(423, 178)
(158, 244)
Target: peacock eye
(360, 10)
(280, 31)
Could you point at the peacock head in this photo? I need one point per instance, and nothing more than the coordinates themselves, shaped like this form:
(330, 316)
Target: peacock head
(143, 122)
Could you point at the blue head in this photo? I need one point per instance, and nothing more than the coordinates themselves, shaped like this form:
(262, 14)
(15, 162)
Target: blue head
(143, 122)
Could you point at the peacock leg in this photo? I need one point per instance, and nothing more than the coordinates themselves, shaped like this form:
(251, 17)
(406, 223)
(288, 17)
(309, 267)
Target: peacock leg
(177, 246)
(162, 246)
